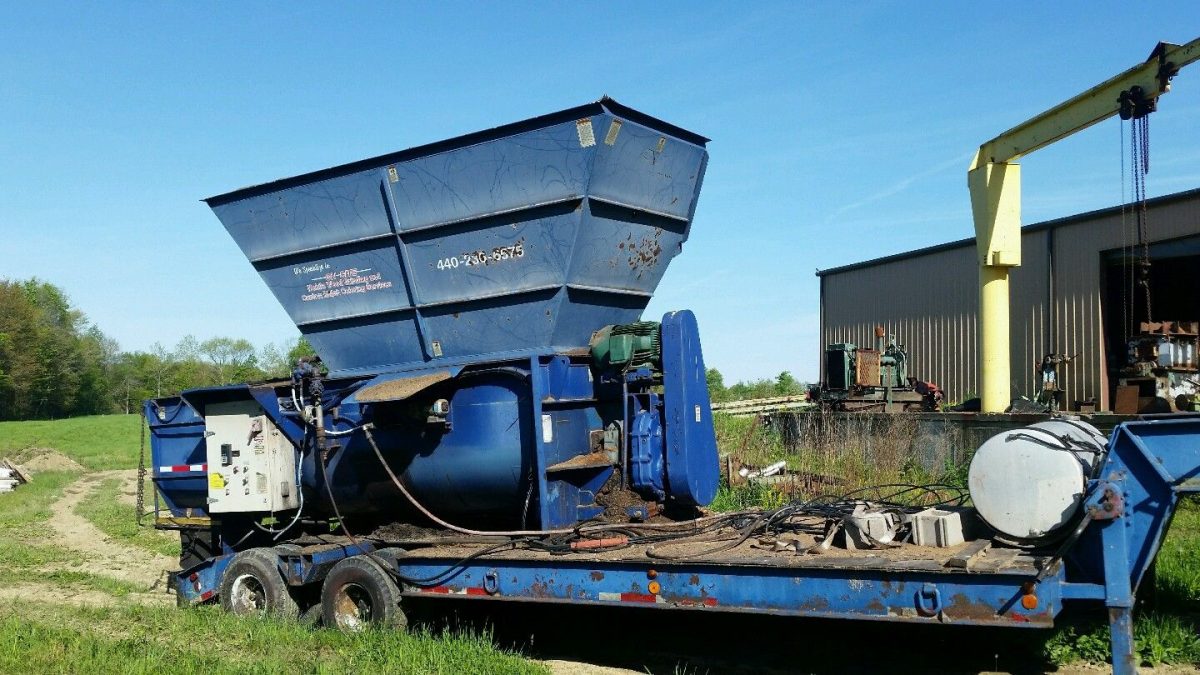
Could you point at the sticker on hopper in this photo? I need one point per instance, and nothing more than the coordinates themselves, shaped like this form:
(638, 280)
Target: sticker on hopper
(347, 283)
(587, 137)
(613, 130)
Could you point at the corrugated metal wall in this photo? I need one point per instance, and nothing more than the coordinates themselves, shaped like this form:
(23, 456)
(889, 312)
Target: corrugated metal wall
(930, 301)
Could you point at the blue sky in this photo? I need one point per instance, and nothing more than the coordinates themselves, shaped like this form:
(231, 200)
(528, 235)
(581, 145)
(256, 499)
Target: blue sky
(841, 132)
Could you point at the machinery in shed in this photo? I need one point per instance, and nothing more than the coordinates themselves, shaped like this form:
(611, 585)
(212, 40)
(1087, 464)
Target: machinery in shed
(877, 380)
(1163, 369)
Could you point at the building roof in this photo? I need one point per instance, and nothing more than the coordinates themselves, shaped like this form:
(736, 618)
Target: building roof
(1035, 227)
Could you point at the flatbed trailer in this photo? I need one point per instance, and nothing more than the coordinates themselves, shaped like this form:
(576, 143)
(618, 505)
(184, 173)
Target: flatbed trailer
(1149, 465)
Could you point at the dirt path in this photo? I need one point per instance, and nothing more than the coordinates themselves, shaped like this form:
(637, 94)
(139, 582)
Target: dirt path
(80, 597)
(107, 557)
(560, 667)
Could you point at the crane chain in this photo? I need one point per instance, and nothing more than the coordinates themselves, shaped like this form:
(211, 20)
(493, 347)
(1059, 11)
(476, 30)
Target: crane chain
(1139, 141)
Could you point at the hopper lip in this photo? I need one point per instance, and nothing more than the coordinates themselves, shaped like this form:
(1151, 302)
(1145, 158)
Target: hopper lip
(473, 138)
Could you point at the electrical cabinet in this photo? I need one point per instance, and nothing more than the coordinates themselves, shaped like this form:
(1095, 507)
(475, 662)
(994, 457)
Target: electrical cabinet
(251, 464)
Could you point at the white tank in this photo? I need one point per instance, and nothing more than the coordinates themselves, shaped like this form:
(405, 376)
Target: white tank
(1028, 483)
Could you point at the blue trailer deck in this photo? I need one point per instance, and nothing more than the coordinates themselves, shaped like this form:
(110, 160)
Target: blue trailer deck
(1128, 509)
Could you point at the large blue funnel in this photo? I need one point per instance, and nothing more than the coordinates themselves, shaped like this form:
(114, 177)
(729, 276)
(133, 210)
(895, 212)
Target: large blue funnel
(525, 237)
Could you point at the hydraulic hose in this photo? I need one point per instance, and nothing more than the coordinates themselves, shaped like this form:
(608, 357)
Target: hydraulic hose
(449, 526)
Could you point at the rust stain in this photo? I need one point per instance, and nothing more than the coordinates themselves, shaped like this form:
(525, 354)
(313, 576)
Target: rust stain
(643, 254)
(400, 388)
(540, 590)
(962, 607)
(597, 576)
(876, 605)
(817, 604)
(694, 580)
(584, 461)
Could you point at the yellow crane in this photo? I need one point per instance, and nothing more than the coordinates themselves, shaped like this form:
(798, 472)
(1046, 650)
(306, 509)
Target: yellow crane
(994, 179)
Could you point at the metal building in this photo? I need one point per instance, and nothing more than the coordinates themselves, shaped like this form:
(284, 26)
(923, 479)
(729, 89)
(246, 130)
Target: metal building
(1073, 294)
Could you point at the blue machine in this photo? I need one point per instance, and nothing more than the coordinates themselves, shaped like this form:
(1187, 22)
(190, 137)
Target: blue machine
(456, 293)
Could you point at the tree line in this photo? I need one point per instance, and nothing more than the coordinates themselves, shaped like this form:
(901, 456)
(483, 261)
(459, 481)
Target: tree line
(784, 384)
(55, 363)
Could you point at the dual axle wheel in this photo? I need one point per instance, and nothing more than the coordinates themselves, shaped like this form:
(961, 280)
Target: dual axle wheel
(357, 592)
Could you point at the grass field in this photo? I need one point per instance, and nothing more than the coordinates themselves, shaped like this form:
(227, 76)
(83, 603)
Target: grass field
(98, 443)
(69, 618)
(131, 639)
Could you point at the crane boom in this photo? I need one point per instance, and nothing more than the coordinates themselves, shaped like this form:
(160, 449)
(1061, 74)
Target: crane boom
(994, 179)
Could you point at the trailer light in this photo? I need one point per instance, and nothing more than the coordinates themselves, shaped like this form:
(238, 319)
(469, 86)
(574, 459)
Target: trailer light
(193, 576)
(654, 587)
(1029, 599)
(651, 574)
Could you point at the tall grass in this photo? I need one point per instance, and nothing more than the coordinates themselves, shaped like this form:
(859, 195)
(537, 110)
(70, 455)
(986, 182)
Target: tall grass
(130, 639)
(836, 452)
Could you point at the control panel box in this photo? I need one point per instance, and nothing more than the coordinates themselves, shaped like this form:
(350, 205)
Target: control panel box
(251, 464)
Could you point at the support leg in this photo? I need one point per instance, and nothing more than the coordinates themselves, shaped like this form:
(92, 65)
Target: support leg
(1120, 628)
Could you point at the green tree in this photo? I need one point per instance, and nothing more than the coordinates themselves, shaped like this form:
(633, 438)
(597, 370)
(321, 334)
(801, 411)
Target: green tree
(230, 359)
(716, 385)
(301, 349)
(53, 362)
(786, 385)
(278, 361)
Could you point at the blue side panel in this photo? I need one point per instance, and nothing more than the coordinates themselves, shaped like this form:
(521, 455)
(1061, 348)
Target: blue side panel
(329, 212)
(624, 249)
(565, 419)
(349, 281)
(501, 255)
(363, 342)
(176, 445)
(526, 169)
(692, 472)
(931, 597)
(495, 324)
(646, 168)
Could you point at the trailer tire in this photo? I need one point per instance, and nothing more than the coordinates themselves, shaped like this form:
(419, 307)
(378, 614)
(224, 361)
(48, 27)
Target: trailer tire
(252, 585)
(358, 593)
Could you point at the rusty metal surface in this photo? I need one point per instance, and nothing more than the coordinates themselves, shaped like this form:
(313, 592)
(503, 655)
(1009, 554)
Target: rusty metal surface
(867, 371)
(588, 461)
(400, 388)
(907, 558)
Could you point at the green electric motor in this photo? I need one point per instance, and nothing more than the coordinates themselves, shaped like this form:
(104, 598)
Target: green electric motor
(631, 345)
